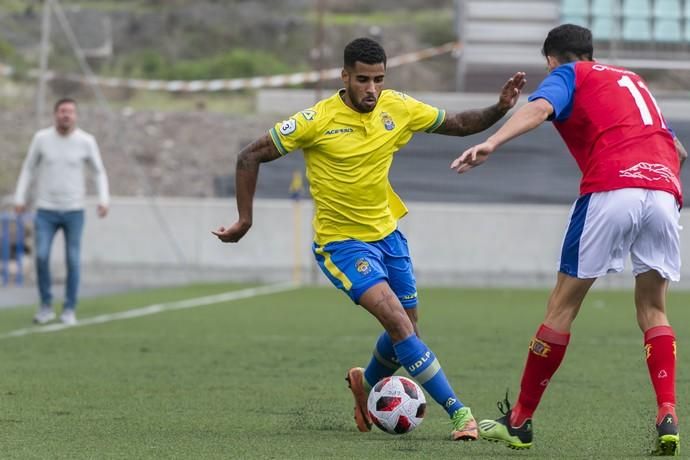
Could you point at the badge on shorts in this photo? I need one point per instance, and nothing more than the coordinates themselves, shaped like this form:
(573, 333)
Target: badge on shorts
(363, 266)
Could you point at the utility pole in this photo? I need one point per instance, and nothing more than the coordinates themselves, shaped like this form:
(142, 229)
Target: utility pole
(43, 70)
(317, 53)
(460, 66)
(318, 48)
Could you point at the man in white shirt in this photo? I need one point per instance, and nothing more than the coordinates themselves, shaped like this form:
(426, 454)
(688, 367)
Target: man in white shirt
(55, 162)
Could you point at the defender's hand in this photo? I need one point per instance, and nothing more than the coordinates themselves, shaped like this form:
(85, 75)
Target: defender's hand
(233, 233)
(474, 156)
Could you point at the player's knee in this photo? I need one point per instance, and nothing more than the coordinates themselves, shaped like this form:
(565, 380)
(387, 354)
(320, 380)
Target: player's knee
(399, 325)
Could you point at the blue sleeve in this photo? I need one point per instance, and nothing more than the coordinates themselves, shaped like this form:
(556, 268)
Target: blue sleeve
(558, 89)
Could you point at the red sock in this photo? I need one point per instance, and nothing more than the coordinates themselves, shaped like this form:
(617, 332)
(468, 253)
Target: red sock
(660, 349)
(546, 351)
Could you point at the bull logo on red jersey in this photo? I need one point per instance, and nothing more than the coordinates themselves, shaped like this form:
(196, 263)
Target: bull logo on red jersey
(651, 172)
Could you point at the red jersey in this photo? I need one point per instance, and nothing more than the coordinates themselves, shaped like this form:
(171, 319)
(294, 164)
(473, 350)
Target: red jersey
(613, 127)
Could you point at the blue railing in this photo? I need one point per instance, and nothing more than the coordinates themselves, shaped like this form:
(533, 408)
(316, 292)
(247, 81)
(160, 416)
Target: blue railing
(6, 242)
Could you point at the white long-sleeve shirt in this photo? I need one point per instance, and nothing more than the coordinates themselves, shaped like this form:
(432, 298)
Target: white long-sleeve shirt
(57, 163)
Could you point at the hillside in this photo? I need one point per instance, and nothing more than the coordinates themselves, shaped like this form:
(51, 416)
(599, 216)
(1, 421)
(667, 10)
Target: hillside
(184, 39)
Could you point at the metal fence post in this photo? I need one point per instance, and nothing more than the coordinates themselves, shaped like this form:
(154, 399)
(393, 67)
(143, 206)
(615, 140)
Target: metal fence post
(5, 247)
(19, 247)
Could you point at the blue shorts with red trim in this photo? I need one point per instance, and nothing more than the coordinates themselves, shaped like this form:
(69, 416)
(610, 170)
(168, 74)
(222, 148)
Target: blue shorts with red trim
(354, 266)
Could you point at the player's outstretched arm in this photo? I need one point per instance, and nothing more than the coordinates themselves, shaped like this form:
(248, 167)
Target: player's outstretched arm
(474, 121)
(526, 119)
(682, 153)
(246, 173)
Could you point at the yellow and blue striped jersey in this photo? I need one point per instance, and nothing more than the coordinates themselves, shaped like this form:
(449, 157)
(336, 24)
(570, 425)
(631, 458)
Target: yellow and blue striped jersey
(348, 155)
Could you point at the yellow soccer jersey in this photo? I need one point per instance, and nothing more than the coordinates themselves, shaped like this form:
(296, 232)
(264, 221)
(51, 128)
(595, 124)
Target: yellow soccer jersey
(348, 155)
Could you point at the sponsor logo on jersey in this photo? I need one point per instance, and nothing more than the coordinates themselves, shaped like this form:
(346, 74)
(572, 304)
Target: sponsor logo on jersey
(651, 172)
(288, 127)
(410, 296)
(330, 132)
(362, 266)
(308, 114)
(539, 347)
(388, 122)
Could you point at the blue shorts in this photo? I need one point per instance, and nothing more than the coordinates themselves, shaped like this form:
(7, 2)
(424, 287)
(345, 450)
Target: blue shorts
(354, 266)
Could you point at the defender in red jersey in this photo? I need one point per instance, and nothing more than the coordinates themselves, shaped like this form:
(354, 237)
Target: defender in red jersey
(630, 196)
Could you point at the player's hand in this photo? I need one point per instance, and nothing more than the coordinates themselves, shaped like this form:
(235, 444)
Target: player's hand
(511, 91)
(102, 210)
(19, 209)
(233, 233)
(474, 156)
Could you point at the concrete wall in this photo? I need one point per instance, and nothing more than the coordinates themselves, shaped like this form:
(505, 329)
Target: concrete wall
(284, 102)
(479, 245)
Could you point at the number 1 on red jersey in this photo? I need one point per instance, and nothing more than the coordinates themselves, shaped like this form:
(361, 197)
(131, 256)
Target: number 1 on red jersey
(626, 82)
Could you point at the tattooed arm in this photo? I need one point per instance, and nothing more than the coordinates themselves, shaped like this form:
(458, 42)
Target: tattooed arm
(474, 121)
(246, 173)
(471, 121)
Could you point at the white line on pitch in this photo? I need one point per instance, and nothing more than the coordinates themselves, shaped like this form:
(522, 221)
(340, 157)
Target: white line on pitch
(157, 308)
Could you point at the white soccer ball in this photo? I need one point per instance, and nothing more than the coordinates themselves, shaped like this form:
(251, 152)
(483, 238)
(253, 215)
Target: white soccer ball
(396, 405)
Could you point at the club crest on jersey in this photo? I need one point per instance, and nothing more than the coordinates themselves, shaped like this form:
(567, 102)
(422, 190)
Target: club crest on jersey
(288, 126)
(363, 266)
(388, 122)
(539, 347)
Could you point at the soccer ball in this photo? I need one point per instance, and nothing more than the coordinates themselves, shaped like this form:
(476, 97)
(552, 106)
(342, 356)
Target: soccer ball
(396, 405)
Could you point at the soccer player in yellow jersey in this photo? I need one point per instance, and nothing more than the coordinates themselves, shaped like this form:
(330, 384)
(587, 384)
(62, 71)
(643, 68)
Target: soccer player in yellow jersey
(348, 141)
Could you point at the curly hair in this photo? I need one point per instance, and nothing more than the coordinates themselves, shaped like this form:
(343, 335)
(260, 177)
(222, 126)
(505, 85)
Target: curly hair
(569, 42)
(364, 50)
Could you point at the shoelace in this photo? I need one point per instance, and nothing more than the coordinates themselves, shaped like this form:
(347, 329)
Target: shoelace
(504, 406)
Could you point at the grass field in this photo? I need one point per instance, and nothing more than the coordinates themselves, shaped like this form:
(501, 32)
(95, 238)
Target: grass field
(262, 377)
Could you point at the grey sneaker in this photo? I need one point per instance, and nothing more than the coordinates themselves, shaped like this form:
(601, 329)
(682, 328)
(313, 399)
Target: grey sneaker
(44, 315)
(68, 317)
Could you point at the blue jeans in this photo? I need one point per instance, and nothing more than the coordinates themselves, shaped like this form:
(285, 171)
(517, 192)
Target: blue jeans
(47, 223)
